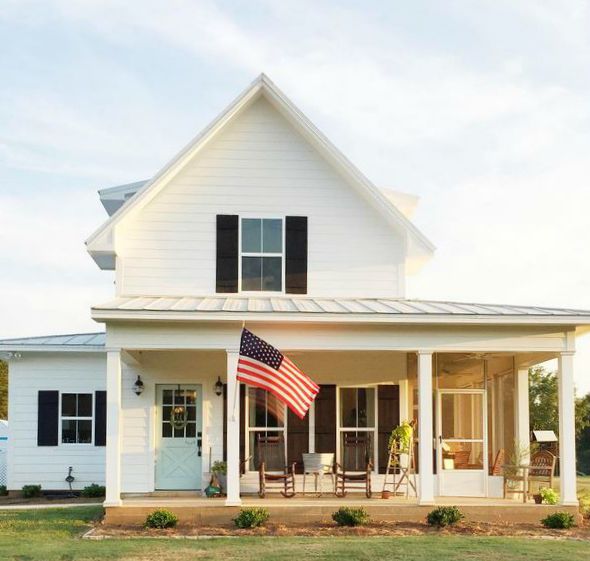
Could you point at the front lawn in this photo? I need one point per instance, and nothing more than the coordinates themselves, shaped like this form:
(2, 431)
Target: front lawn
(54, 534)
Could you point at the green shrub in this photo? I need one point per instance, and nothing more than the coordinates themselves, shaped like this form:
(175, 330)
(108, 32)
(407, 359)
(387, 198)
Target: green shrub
(548, 496)
(3, 491)
(161, 518)
(93, 490)
(561, 520)
(346, 516)
(444, 516)
(251, 517)
(30, 491)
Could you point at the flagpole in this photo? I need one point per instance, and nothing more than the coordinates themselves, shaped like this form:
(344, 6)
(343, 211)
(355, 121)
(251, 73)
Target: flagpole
(233, 414)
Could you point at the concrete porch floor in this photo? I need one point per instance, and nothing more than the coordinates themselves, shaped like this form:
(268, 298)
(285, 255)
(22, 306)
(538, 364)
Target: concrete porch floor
(200, 511)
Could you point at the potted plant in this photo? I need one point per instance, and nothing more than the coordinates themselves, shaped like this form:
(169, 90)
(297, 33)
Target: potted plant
(219, 469)
(402, 436)
(546, 496)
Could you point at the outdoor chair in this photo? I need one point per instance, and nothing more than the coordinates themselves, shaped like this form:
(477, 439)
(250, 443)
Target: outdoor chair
(542, 469)
(271, 450)
(354, 447)
(318, 465)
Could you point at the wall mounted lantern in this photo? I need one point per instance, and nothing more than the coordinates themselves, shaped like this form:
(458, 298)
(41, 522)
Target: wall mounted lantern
(138, 386)
(218, 387)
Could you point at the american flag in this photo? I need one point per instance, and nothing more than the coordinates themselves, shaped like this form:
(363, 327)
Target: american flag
(263, 366)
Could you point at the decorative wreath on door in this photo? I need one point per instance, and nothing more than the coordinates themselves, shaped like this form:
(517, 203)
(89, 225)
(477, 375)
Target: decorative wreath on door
(179, 417)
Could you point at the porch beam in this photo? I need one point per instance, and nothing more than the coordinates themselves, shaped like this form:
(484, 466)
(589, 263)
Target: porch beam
(567, 429)
(426, 471)
(113, 440)
(521, 402)
(233, 430)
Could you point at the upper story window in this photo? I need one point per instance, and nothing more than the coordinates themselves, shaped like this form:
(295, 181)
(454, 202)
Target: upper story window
(262, 254)
(76, 418)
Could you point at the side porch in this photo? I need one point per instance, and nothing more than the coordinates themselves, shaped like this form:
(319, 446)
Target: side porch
(466, 389)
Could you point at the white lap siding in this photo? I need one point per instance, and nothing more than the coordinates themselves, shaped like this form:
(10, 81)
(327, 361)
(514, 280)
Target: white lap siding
(48, 466)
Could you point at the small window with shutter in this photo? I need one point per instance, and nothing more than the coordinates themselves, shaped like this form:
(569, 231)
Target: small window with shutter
(76, 418)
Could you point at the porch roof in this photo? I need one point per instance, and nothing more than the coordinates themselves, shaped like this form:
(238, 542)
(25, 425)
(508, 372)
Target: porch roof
(73, 341)
(304, 308)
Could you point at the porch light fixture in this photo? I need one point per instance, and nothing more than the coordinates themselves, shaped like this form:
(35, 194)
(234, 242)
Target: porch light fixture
(218, 387)
(138, 386)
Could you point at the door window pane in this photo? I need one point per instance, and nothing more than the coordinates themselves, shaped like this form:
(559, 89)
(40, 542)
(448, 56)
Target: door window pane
(251, 235)
(357, 407)
(462, 455)
(462, 416)
(272, 236)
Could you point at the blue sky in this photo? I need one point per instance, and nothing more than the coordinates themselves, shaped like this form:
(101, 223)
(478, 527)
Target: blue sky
(480, 108)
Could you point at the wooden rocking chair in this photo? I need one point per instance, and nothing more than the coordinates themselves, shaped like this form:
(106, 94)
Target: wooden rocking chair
(271, 449)
(542, 470)
(345, 480)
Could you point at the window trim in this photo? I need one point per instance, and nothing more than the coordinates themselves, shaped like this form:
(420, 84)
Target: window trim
(282, 255)
(249, 429)
(61, 418)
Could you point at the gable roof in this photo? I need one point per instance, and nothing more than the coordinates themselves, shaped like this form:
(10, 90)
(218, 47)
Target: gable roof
(100, 243)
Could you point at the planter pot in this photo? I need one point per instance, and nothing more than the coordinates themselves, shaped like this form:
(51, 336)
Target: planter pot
(538, 499)
(385, 494)
(222, 478)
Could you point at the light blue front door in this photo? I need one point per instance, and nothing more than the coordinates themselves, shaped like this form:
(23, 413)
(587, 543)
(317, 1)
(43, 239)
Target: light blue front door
(179, 437)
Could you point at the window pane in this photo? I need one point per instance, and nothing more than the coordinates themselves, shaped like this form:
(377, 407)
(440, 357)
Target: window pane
(167, 396)
(84, 405)
(68, 404)
(68, 432)
(257, 407)
(272, 273)
(191, 396)
(272, 236)
(191, 430)
(273, 454)
(366, 407)
(192, 413)
(275, 414)
(462, 455)
(348, 407)
(251, 235)
(357, 450)
(85, 432)
(462, 416)
(251, 273)
(166, 429)
(179, 397)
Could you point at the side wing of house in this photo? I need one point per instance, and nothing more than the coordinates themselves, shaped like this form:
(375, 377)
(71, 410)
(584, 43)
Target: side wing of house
(259, 167)
(56, 414)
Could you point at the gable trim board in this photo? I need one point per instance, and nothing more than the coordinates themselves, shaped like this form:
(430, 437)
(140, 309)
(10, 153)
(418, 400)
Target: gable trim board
(101, 244)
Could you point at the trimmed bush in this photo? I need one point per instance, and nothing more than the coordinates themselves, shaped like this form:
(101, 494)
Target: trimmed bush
(549, 496)
(347, 516)
(560, 520)
(30, 491)
(251, 517)
(161, 518)
(93, 490)
(3, 491)
(444, 516)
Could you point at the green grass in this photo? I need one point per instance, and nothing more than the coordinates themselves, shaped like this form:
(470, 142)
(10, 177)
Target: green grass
(54, 535)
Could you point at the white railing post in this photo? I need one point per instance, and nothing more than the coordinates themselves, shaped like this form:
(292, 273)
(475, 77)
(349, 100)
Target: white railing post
(113, 441)
(567, 429)
(426, 472)
(233, 431)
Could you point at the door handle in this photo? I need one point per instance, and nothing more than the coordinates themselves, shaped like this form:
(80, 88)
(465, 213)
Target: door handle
(199, 442)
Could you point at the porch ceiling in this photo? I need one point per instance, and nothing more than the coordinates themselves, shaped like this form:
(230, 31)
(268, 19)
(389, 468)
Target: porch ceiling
(341, 310)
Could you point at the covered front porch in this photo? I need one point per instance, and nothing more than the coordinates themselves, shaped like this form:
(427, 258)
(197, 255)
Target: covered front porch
(466, 387)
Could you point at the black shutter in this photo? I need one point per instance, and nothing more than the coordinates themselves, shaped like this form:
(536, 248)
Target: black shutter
(227, 253)
(47, 418)
(388, 408)
(100, 418)
(296, 255)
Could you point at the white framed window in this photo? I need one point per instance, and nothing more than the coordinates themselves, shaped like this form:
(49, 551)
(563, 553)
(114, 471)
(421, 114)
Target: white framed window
(357, 418)
(266, 416)
(76, 418)
(262, 259)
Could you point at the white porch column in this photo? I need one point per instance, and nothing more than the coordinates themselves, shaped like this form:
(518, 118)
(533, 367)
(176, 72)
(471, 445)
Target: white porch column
(521, 415)
(113, 444)
(567, 429)
(404, 400)
(426, 489)
(233, 431)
